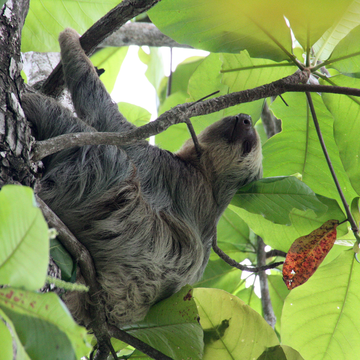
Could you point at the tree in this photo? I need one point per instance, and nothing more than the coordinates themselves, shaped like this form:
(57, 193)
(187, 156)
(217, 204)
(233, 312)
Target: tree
(253, 59)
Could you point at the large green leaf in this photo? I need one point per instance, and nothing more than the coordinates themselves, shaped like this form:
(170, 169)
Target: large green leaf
(5, 340)
(278, 293)
(274, 198)
(258, 27)
(297, 149)
(14, 339)
(135, 114)
(109, 59)
(302, 223)
(241, 72)
(346, 112)
(232, 330)
(171, 327)
(348, 19)
(321, 318)
(43, 324)
(47, 18)
(346, 55)
(220, 275)
(24, 245)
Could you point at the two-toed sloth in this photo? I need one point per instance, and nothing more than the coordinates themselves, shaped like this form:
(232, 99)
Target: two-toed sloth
(146, 215)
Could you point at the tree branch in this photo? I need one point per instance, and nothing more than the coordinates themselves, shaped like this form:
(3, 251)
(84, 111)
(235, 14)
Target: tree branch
(112, 21)
(137, 33)
(181, 113)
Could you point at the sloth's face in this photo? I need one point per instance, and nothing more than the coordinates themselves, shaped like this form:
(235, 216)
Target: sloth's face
(235, 131)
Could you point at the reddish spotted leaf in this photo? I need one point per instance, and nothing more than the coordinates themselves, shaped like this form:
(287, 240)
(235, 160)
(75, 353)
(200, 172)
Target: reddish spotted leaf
(307, 253)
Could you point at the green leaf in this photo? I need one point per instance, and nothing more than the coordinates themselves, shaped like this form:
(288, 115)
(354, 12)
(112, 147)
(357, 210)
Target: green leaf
(278, 293)
(241, 72)
(135, 114)
(63, 260)
(47, 18)
(45, 327)
(155, 68)
(109, 59)
(345, 111)
(171, 326)
(302, 223)
(220, 275)
(5, 338)
(280, 352)
(232, 330)
(249, 297)
(297, 149)
(24, 245)
(348, 19)
(320, 318)
(273, 353)
(20, 351)
(291, 354)
(346, 56)
(258, 27)
(274, 198)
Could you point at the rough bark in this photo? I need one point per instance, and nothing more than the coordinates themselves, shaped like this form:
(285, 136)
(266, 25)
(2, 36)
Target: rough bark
(15, 137)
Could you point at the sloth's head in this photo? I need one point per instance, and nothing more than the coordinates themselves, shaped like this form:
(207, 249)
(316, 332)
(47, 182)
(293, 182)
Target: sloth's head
(230, 152)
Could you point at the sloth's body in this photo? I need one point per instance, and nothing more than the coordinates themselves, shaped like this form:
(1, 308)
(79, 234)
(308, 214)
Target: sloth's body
(147, 216)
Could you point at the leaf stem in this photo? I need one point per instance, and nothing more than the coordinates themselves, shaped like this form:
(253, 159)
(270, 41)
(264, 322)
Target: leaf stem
(354, 226)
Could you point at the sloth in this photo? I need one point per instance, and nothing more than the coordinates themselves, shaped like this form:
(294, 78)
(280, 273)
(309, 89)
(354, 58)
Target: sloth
(146, 215)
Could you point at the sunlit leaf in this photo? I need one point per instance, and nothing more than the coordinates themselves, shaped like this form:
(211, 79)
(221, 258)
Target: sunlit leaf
(5, 338)
(297, 149)
(282, 236)
(346, 55)
(345, 111)
(109, 59)
(307, 253)
(241, 72)
(135, 114)
(47, 18)
(320, 318)
(44, 325)
(232, 329)
(14, 339)
(258, 27)
(278, 293)
(274, 198)
(24, 245)
(348, 20)
(171, 326)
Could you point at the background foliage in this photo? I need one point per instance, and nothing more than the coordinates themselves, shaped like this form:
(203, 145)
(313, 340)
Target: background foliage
(250, 43)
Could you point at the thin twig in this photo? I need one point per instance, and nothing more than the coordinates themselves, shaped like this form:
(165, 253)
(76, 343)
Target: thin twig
(234, 263)
(194, 137)
(354, 226)
(136, 343)
(274, 252)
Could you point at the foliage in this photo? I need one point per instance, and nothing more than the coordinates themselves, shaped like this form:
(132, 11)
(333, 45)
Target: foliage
(250, 44)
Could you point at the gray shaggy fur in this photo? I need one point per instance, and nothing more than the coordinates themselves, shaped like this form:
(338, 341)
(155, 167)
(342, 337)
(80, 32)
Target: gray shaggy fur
(147, 216)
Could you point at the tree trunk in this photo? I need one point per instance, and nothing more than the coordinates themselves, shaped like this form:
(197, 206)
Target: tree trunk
(15, 137)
